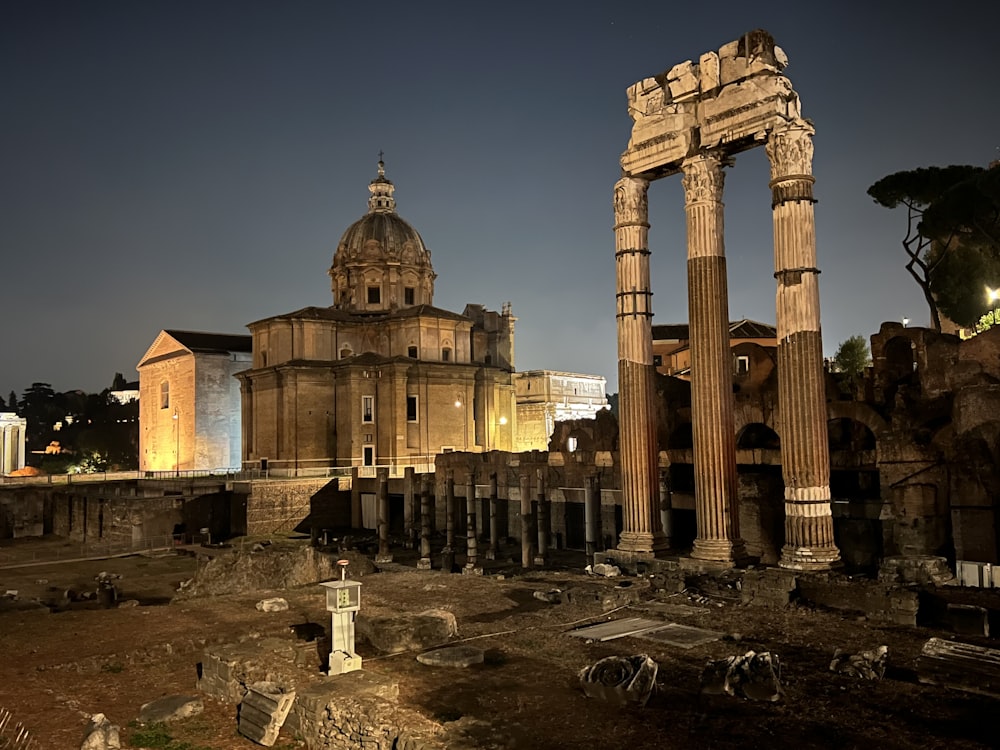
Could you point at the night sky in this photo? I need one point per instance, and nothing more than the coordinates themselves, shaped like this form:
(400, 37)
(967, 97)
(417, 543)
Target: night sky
(192, 165)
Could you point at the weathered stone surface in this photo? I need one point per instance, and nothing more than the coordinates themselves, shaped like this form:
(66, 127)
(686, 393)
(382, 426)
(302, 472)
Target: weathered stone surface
(960, 665)
(868, 665)
(275, 604)
(391, 635)
(170, 708)
(620, 679)
(101, 735)
(263, 711)
(752, 675)
(452, 656)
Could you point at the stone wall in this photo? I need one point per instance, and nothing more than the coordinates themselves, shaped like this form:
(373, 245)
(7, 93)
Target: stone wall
(280, 505)
(354, 710)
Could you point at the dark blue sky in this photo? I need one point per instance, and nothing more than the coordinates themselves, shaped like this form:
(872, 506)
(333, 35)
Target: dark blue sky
(192, 164)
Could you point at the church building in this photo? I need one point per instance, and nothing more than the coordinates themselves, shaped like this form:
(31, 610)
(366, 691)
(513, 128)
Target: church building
(381, 377)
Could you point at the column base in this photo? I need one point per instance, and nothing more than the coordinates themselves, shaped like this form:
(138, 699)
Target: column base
(726, 552)
(809, 558)
(643, 543)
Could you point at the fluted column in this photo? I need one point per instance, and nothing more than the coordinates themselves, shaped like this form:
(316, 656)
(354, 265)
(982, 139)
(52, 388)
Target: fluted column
(805, 457)
(637, 416)
(713, 427)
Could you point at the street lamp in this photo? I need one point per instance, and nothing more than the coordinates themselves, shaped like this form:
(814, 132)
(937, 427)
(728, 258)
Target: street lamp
(992, 295)
(177, 443)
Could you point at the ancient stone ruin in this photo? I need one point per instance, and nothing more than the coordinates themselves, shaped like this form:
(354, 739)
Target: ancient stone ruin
(693, 119)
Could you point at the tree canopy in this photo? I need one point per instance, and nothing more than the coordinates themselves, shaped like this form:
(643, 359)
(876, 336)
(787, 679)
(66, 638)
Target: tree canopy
(852, 356)
(952, 235)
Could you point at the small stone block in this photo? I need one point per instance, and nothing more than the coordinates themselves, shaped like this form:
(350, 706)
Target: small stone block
(472, 570)
(341, 663)
(452, 656)
(383, 558)
(424, 563)
(540, 561)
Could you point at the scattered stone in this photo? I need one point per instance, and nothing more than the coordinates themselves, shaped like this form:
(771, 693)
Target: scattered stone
(607, 570)
(10, 593)
(393, 635)
(101, 735)
(170, 708)
(452, 656)
(263, 711)
(128, 603)
(964, 666)
(620, 679)
(868, 665)
(275, 604)
(552, 597)
(752, 675)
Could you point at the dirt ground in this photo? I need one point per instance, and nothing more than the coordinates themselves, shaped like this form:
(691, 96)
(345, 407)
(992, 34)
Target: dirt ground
(61, 664)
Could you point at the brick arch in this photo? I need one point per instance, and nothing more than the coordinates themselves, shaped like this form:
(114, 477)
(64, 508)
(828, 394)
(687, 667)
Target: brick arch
(752, 412)
(859, 413)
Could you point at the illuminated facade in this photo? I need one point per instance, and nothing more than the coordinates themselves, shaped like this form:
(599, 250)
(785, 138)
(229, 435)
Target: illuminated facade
(189, 401)
(12, 436)
(545, 397)
(381, 377)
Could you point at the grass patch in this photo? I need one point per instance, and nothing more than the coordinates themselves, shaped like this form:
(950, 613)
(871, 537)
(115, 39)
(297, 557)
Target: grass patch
(157, 737)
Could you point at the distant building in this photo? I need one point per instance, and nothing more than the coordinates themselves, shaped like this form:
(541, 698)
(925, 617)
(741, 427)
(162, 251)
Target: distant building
(672, 347)
(12, 431)
(381, 377)
(129, 393)
(545, 397)
(189, 401)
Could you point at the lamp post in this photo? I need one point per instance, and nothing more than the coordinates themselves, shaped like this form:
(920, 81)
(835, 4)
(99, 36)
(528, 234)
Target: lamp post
(177, 443)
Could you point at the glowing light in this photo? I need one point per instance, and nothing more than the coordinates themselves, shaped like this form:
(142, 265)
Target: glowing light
(905, 321)
(503, 420)
(992, 295)
(458, 404)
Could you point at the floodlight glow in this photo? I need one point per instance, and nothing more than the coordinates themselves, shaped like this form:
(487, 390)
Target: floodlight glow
(503, 420)
(992, 295)
(458, 404)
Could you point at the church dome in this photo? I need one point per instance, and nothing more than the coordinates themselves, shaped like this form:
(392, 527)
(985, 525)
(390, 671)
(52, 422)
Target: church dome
(381, 262)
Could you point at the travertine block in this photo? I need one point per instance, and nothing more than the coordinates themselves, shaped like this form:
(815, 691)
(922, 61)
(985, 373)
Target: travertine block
(708, 71)
(682, 81)
(747, 109)
(732, 69)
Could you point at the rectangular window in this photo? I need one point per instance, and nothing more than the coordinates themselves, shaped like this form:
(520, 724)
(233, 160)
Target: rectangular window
(165, 395)
(409, 295)
(411, 408)
(657, 360)
(369, 455)
(374, 295)
(368, 409)
(411, 352)
(446, 355)
(742, 365)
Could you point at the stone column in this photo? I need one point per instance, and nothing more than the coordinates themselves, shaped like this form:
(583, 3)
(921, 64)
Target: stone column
(494, 549)
(410, 513)
(527, 556)
(472, 547)
(425, 523)
(641, 534)
(592, 515)
(382, 515)
(542, 516)
(448, 553)
(713, 426)
(805, 456)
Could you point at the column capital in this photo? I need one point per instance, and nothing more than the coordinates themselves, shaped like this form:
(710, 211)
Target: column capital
(631, 207)
(703, 179)
(790, 150)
